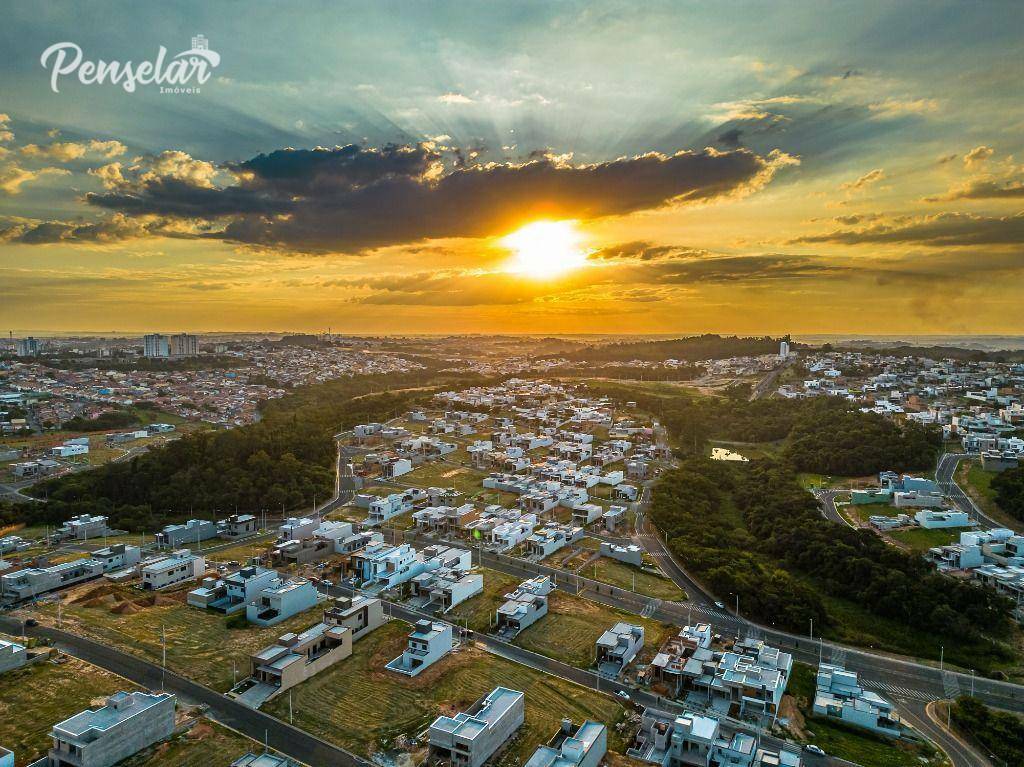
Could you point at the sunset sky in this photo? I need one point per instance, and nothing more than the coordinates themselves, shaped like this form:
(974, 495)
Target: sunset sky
(804, 167)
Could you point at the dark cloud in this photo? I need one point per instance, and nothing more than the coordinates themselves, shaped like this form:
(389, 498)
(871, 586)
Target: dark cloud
(113, 229)
(729, 270)
(493, 288)
(941, 230)
(730, 138)
(641, 251)
(352, 199)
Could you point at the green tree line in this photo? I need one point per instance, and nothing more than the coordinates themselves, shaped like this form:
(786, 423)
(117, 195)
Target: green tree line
(284, 461)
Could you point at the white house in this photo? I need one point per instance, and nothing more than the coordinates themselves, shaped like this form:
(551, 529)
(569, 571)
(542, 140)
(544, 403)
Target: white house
(280, 600)
(446, 587)
(192, 532)
(179, 567)
(296, 529)
(68, 450)
(586, 513)
(617, 647)
(509, 534)
(471, 737)
(630, 553)
(550, 538)
(429, 641)
(933, 520)
(118, 557)
(583, 746)
(524, 606)
(12, 655)
(839, 696)
(232, 592)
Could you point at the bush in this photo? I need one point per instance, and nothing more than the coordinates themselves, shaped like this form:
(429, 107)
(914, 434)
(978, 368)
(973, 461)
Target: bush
(998, 732)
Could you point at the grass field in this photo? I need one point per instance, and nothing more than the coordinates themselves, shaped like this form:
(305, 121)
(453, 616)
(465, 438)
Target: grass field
(851, 743)
(920, 539)
(205, 744)
(34, 698)
(243, 552)
(479, 611)
(868, 749)
(622, 575)
(977, 483)
(441, 474)
(571, 627)
(359, 705)
(200, 646)
(863, 511)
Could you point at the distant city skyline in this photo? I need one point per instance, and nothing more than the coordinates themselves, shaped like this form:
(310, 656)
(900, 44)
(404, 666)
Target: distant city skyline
(392, 168)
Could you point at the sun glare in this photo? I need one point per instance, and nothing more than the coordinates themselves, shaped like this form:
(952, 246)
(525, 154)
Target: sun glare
(546, 249)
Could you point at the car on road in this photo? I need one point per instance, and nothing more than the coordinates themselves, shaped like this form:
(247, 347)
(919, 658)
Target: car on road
(719, 605)
(813, 749)
(622, 694)
(31, 622)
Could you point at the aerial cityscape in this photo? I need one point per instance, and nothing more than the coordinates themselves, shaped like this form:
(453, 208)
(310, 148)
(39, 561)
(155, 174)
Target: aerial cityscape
(512, 384)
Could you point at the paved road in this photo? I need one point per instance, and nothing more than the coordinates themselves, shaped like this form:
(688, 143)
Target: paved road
(767, 384)
(639, 697)
(887, 674)
(827, 498)
(279, 735)
(920, 716)
(944, 476)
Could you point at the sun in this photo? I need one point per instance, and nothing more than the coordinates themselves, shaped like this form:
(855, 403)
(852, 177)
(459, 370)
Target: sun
(545, 249)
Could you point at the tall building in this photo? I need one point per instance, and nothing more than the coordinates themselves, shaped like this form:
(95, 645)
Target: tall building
(184, 345)
(155, 345)
(784, 349)
(28, 347)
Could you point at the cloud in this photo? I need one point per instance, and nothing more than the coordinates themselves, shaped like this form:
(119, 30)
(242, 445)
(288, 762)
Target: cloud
(978, 155)
(983, 189)
(65, 151)
(673, 269)
(6, 134)
(13, 176)
(895, 107)
(640, 250)
(730, 138)
(115, 228)
(940, 230)
(454, 98)
(351, 199)
(869, 178)
(110, 175)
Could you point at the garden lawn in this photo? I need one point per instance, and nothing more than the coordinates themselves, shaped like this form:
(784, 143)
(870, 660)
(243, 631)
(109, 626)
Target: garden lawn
(572, 626)
(200, 646)
(205, 744)
(36, 697)
(622, 575)
(443, 474)
(920, 539)
(359, 705)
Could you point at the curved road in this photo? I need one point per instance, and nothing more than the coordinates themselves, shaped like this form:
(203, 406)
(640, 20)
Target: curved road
(945, 474)
(922, 718)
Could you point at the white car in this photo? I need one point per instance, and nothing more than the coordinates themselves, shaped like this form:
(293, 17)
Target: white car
(813, 749)
(719, 605)
(622, 694)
